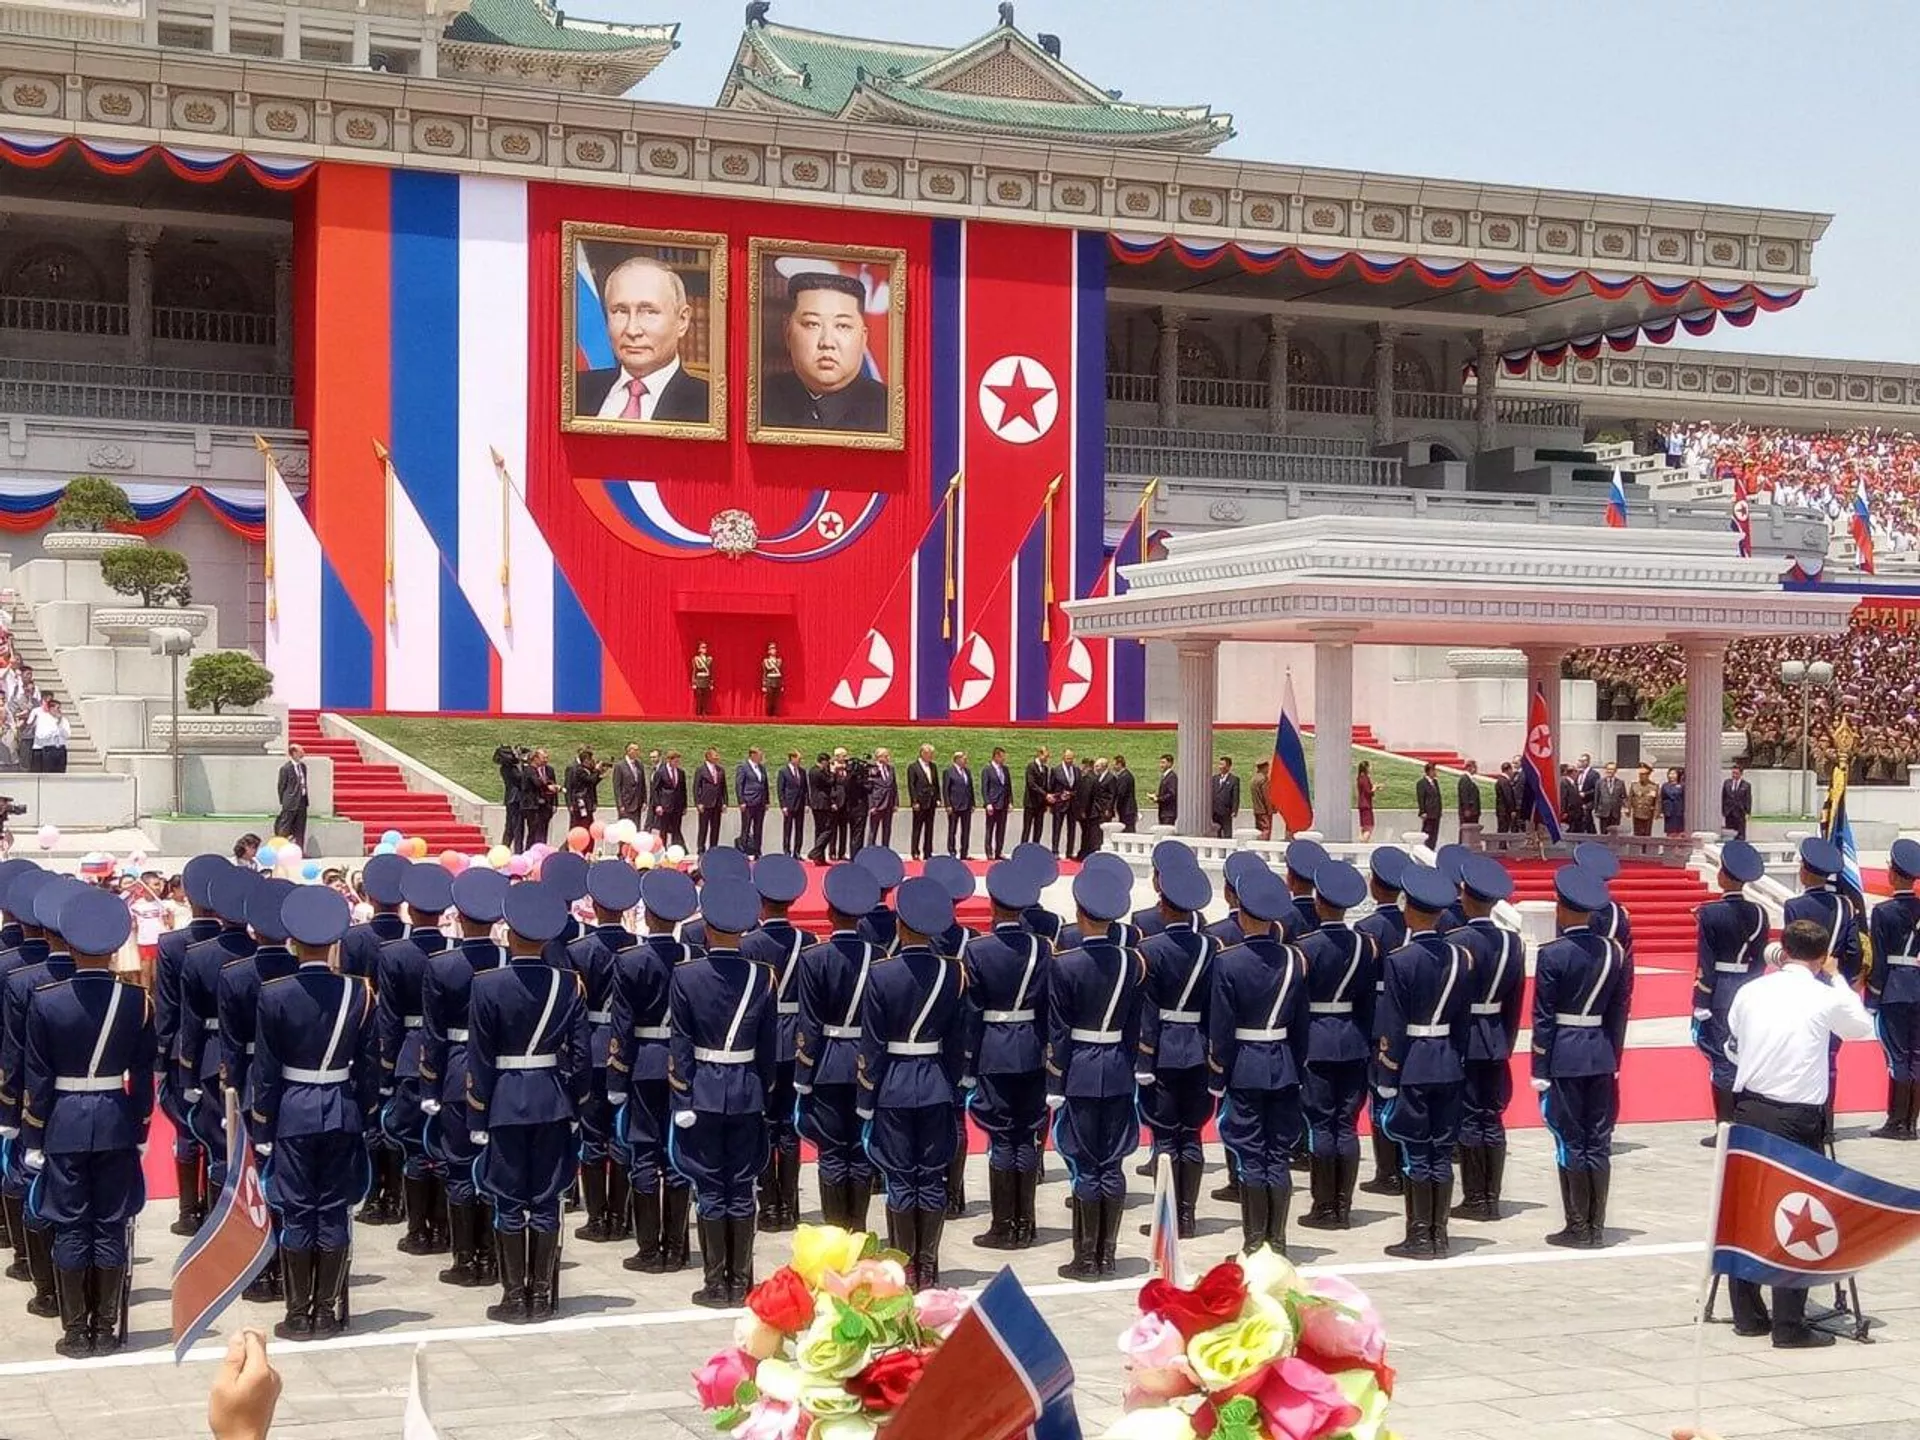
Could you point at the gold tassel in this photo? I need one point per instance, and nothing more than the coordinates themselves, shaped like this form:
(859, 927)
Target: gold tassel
(1146, 504)
(1046, 565)
(949, 557)
(506, 538)
(393, 605)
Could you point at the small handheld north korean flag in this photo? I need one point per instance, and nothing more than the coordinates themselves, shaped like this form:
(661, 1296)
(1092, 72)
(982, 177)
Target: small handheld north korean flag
(232, 1246)
(1742, 519)
(1001, 1375)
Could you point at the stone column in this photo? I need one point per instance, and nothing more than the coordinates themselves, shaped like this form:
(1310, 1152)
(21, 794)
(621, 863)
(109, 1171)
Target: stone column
(222, 28)
(1383, 336)
(1193, 735)
(282, 307)
(140, 242)
(1706, 686)
(1333, 734)
(1278, 353)
(1487, 383)
(1170, 321)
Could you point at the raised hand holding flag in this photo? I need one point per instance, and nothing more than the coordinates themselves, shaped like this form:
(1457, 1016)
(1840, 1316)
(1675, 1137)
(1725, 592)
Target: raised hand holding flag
(232, 1246)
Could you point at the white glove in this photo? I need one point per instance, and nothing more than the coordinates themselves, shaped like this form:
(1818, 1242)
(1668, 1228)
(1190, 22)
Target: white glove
(967, 1082)
(798, 1090)
(386, 1091)
(864, 1114)
(192, 1097)
(1703, 1014)
(683, 1119)
(36, 1161)
(1542, 1086)
(1143, 1077)
(263, 1151)
(9, 1132)
(478, 1137)
(1054, 1102)
(430, 1107)
(616, 1098)
(141, 1147)
(1387, 1092)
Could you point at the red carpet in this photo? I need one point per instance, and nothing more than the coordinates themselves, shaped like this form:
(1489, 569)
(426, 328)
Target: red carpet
(377, 795)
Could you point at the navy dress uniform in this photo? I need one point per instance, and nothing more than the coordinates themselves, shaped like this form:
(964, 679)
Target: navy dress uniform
(956, 879)
(1451, 861)
(446, 995)
(42, 956)
(201, 1048)
(1095, 993)
(637, 1074)
(1041, 863)
(834, 975)
(1387, 924)
(527, 1075)
(1611, 921)
(1174, 1026)
(11, 934)
(428, 891)
(723, 863)
(778, 944)
(566, 872)
(913, 1033)
(316, 1086)
(83, 1123)
(1303, 859)
(1893, 990)
(1256, 1052)
(1821, 865)
(360, 955)
(614, 888)
(1342, 969)
(1581, 992)
(720, 1068)
(1731, 949)
(1420, 1063)
(1498, 980)
(189, 1158)
(1007, 970)
(1148, 921)
(1121, 931)
(888, 870)
(29, 951)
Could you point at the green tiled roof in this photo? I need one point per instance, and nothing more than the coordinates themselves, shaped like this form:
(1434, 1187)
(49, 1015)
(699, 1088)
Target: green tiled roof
(530, 25)
(1040, 114)
(833, 64)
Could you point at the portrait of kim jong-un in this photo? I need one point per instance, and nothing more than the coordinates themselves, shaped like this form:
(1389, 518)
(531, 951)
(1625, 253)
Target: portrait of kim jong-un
(829, 338)
(646, 331)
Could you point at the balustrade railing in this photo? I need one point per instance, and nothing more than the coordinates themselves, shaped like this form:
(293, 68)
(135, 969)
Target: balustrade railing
(1204, 392)
(231, 399)
(109, 318)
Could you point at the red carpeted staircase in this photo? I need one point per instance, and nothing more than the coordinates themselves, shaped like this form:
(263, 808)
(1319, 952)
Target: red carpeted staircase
(377, 795)
(1363, 736)
(1445, 759)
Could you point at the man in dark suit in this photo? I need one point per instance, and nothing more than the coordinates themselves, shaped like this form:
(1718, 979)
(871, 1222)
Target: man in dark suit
(1166, 793)
(647, 318)
(541, 798)
(292, 820)
(883, 798)
(1506, 800)
(1609, 799)
(513, 764)
(1226, 798)
(670, 801)
(1060, 786)
(709, 800)
(793, 806)
(1126, 799)
(1736, 802)
(1427, 803)
(630, 787)
(996, 794)
(826, 339)
(1033, 798)
(1467, 794)
(1569, 797)
(583, 789)
(1586, 780)
(923, 796)
(957, 789)
(750, 789)
(820, 789)
(1086, 809)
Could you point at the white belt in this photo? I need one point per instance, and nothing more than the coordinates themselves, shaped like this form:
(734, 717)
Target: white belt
(458, 1037)
(1429, 1032)
(1257, 1036)
(1180, 1017)
(1911, 961)
(300, 1076)
(599, 1017)
(787, 1007)
(1095, 1037)
(652, 1032)
(914, 1047)
(210, 1026)
(1330, 1007)
(852, 1032)
(1580, 1022)
(90, 1084)
(1723, 968)
(1484, 1007)
(413, 1022)
(708, 1056)
(527, 1062)
(1009, 1017)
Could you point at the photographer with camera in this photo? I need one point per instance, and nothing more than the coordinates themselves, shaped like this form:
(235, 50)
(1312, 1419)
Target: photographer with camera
(583, 787)
(9, 808)
(512, 760)
(859, 802)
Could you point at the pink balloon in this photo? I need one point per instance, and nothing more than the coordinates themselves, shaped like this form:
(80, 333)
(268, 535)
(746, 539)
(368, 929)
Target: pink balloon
(598, 830)
(518, 866)
(452, 861)
(646, 842)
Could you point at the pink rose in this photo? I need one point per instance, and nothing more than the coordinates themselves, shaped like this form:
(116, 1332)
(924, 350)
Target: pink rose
(1300, 1401)
(1343, 1330)
(882, 1279)
(1157, 1359)
(716, 1380)
(771, 1420)
(939, 1310)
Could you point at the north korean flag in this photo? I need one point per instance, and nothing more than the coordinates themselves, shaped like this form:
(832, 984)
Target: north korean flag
(1001, 1375)
(1790, 1216)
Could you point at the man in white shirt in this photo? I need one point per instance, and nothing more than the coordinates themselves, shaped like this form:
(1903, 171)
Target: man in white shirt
(49, 731)
(647, 317)
(1782, 1027)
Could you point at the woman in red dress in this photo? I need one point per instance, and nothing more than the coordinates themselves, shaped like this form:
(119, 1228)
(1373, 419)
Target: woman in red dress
(1363, 788)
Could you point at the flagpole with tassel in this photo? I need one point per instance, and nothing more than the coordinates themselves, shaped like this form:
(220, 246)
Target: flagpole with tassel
(949, 557)
(272, 484)
(386, 459)
(506, 538)
(1046, 564)
(1705, 1299)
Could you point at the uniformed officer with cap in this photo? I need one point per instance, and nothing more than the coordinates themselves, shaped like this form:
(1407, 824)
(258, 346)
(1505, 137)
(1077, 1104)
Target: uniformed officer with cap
(1303, 861)
(954, 876)
(189, 1158)
(1094, 998)
(1582, 988)
(1611, 921)
(83, 1123)
(637, 1074)
(1499, 976)
(360, 955)
(1148, 921)
(1342, 969)
(1893, 989)
(1122, 931)
(1175, 1097)
(39, 962)
(1731, 950)
(722, 863)
(1420, 1059)
(888, 870)
(316, 1086)
(721, 1067)
(1387, 924)
(1006, 1001)
(528, 1069)
(566, 873)
(446, 995)
(1820, 901)
(834, 975)
(1043, 865)
(1451, 861)
(614, 888)
(11, 938)
(428, 891)
(201, 1050)
(777, 943)
(913, 1034)
(1239, 865)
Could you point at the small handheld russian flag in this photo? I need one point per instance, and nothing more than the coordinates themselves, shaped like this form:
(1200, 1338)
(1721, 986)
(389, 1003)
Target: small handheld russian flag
(1289, 786)
(1861, 524)
(1163, 1232)
(1742, 521)
(1617, 502)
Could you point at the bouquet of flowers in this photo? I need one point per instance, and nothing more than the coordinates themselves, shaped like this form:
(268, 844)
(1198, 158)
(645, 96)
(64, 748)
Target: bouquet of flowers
(1255, 1352)
(830, 1344)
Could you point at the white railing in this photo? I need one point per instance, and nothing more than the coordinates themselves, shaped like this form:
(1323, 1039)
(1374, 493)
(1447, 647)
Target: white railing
(1205, 392)
(146, 392)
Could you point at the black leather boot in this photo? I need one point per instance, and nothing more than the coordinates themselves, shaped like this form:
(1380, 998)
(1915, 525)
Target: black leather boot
(1899, 1096)
(1187, 1178)
(70, 1304)
(957, 1185)
(1346, 1175)
(1086, 1227)
(186, 1176)
(593, 1186)
(859, 1195)
(438, 1236)
(299, 1271)
(1722, 1115)
(645, 1209)
(1442, 1197)
(543, 1273)
(1467, 1162)
(1230, 1192)
(512, 1309)
(999, 1232)
(46, 1301)
(17, 1228)
(903, 1230)
(789, 1187)
(1576, 1190)
(712, 1295)
(330, 1280)
(739, 1259)
(835, 1202)
(1387, 1179)
(1418, 1242)
(1025, 1183)
(106, 1285)
(676, 1204)
(1598, 1183)
(1325, 1212)
(463, 1221)
(1254, 1203)
(1909, 1130)
(619, 1202)
(926, 1248)
(486, 1253)
(1107, 1238)
(1493, 1175)
(418, 1193)
(268, 1285)
(1279, 1201)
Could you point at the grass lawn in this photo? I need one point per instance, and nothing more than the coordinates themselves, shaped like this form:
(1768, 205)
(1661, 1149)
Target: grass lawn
(462, 750)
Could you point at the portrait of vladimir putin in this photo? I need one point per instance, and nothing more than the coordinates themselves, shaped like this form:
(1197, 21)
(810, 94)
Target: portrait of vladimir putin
(647, 316)
(825, 336)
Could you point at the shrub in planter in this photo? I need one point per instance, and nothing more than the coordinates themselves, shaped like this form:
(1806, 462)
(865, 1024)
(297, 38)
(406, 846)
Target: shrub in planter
(92, 503)
(158, 577)
(225, 678)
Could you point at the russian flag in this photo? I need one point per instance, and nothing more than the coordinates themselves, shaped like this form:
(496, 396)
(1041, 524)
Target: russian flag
(1742, 521)
(1861, 523)
(1617, 502)
(1163, 1231)
(1290, 788)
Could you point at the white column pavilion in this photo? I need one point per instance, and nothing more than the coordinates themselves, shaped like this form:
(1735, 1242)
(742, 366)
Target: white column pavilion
(1336, 581)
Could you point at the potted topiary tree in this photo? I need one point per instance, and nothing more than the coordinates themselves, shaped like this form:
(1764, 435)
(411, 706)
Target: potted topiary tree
(222, 682)
(87, 518)
(162, 583)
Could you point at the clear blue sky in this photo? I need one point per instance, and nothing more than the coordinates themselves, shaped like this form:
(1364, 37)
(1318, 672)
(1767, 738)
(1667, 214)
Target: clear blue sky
(1750, 102)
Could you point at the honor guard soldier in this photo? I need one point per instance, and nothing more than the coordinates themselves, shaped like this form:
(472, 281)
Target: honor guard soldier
(1342, 969)
(888, 870)
(775, 943)
(614, 888)
(1148, 920)
(1038, 861)
(428, 891)
(1094, 997)
(189, 1159)
(1420, 1060)
(1893, 989)
(528, 1070)
(1821, 865)
(1451, 861)
(316, 1087)
(1499, 975)
(11, 932)
(1581, 989)
(37, 964)
(1122, 931)
(1303, 861)
(834, 975)
(1175, 1096)
(1007, 1000)
(637, 1074)
(566, 872)
(1387, 924)
(1732, 949)
(912, 1044)
(12, 936)
(201, 1051)
(446, 996)
(725, 1027)
(722, 863)
(953, 876)
(1256, 1054)
(360, 955)
(238, 1002)
(1611, 921)
(83, 1123)
(1241, 864)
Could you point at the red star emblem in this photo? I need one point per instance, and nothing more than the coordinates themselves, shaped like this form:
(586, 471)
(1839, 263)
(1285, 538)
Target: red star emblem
(862, 669)
(1806, 1228)
(1019, 398)
(966, 669)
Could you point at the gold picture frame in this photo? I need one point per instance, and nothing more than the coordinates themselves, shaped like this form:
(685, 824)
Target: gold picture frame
(701, 349)
(883, 424)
